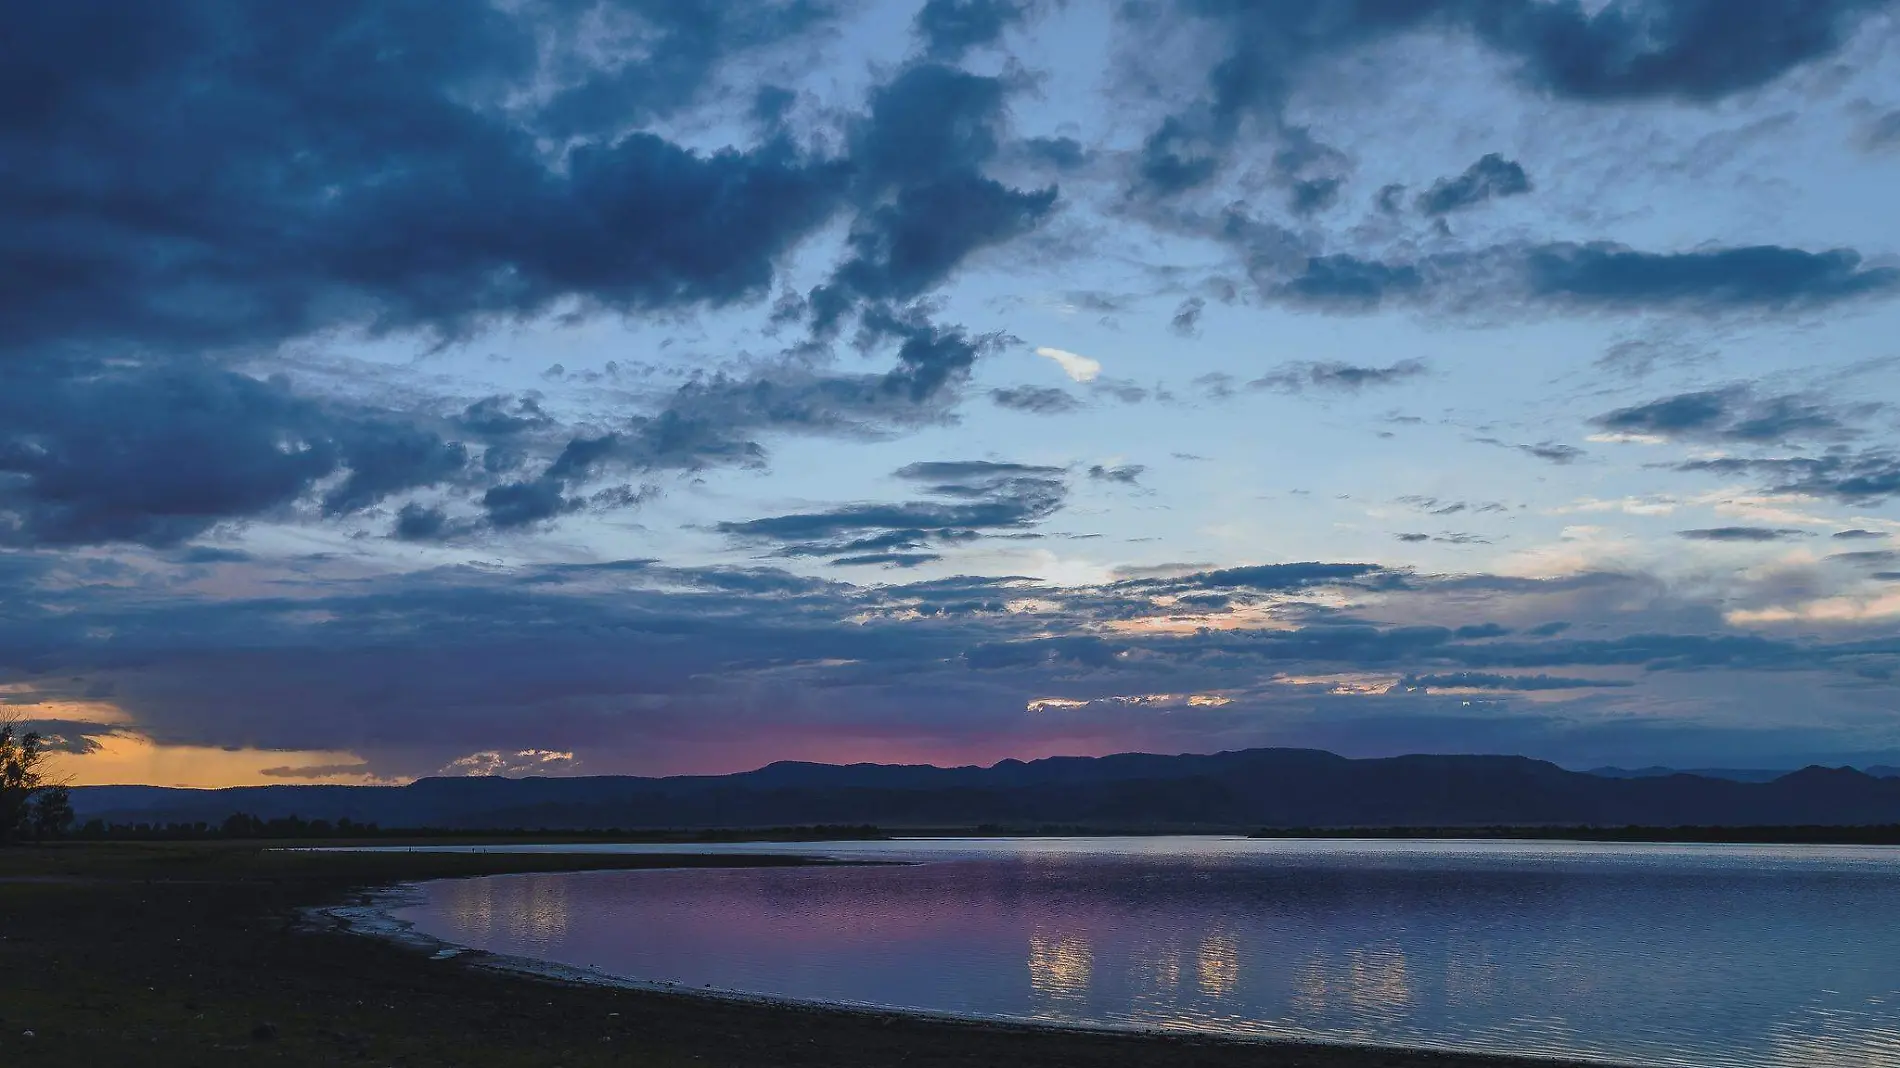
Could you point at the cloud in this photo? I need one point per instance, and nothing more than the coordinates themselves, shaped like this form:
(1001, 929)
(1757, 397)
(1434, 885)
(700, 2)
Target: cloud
(519, 762)
(1477, 680)
(950, 28)
(440, 216)
(491, 417)
(1260, 55)
(1554, 452)
(1491, 177)
(1752, 534)
(1336, 376)
(924, 203)
(1868, 557)
(160, 453)
(1187, 317)
(447, 217)
(1078, 368)
(1592, 277)
(1608, 276)
(1883, 133)
(1126, 474)
(1270, 577)
(1447, 538)
(1842, 474)
(314, 771)
(1550, 451)
(975, 496)
(1858, 534)
(417, 522)
(1437, 506)
(905, 560)
(1732, 414)
(1314, 195)
(1041, 400)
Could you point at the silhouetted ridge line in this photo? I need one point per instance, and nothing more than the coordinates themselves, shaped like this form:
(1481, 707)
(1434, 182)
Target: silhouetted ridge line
(1241, 790)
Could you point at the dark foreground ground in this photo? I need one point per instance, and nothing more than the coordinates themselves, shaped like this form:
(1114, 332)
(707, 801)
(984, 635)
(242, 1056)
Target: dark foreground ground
(161, 955)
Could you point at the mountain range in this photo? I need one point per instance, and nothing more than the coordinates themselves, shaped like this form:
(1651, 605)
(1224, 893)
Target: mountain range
(1232, 790)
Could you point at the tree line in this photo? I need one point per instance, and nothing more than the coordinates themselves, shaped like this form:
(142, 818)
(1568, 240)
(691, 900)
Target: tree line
(30, 805)
(242, 825)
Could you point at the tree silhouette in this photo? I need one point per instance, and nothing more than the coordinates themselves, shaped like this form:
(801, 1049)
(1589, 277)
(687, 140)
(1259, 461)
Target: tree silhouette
(52, 812)
(22, 784)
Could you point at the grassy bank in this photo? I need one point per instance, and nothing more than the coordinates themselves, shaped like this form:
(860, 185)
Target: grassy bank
(180, 954)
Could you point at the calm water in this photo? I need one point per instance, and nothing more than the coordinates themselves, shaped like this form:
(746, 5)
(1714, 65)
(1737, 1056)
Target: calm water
(1654, 955)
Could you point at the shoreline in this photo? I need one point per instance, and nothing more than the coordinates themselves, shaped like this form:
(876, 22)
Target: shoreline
(371, 918)
(170, 955)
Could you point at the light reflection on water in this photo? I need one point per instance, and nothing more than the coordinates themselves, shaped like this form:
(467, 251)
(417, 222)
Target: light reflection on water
(1670, 956)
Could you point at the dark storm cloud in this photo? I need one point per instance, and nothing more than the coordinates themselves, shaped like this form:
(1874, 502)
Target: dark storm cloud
(159, 454)
(949, 28)
(1042, 400)
(289, 172)
(288, 169)
(1336, 376)
(925, 203)
(1858, 534)
(386, 458)
(1692, 50)
(1733, 414)
(1491, 177)
(1756, 534)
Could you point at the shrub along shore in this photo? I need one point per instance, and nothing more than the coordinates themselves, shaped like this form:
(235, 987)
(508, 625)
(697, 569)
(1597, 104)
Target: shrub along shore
(173, 954)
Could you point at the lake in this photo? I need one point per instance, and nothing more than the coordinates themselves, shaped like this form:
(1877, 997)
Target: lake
(1635, 954)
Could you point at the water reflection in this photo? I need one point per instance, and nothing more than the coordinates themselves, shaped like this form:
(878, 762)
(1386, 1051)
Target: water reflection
(1059, 967)
(1218, 966)
(1709, 960)
(532, 908)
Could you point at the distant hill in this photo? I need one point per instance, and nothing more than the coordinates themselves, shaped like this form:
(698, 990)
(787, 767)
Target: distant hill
(1658, 772)
(1236, 790)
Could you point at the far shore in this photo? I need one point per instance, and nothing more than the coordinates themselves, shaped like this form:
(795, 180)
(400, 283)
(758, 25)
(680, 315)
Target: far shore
(173, 954)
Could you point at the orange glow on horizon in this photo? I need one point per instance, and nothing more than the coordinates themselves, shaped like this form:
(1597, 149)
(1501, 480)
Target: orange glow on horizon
(124, 758)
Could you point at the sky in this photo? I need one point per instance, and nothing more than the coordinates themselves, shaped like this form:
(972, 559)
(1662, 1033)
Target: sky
(674, 386)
